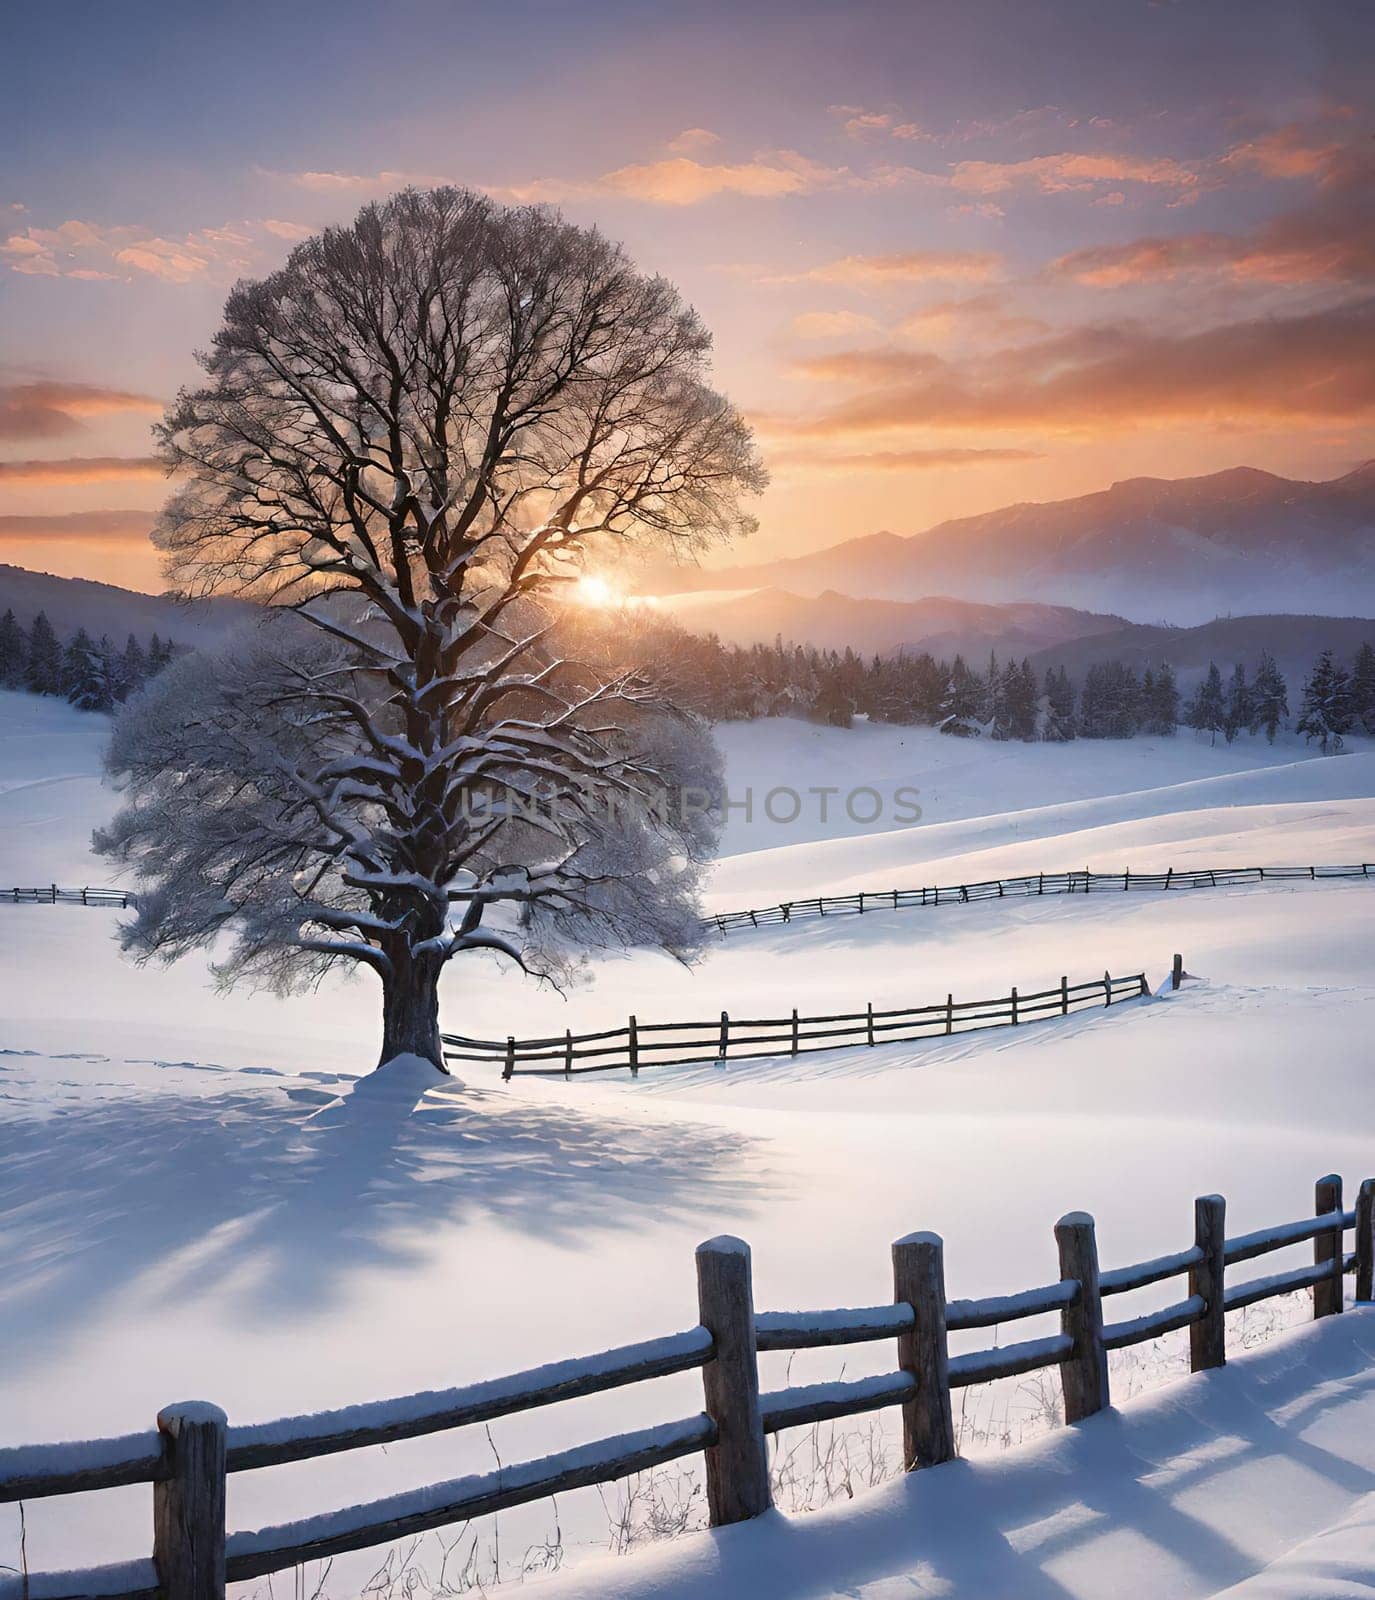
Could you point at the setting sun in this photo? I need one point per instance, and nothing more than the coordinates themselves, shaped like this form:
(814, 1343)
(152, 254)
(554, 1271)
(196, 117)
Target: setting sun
(590, 590)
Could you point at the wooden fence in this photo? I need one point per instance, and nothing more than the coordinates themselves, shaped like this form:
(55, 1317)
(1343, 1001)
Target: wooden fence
(51, 895)
(193, 1448)
(680, 1044)
(1035, 883)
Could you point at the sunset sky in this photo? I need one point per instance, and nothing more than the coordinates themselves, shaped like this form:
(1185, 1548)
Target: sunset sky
(953, 254)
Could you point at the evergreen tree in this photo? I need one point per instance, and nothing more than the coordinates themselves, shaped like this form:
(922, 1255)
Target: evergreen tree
(1207, 708)
(1160, 702)
(997, 706)
(87, 674)
(1060, 723)
(1327, 709)
(1269, 698)
(133, 669)
(1240, 710)
(14, 653)
(1363, 688)
(1110, 706)
(1019, 696)
(79, 646)
(963, 702)
(43, 671)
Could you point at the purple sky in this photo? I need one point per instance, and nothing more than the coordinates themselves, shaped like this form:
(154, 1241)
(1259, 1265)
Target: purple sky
(954, 254)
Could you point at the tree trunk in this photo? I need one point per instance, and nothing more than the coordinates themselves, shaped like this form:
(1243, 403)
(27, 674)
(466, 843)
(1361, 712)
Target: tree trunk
(410, 1011)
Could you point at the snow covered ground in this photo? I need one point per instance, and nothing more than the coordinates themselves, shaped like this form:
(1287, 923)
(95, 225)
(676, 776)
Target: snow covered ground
(180, 1217)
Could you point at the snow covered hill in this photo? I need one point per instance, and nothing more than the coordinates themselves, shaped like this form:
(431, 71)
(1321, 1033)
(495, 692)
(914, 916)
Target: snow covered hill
(194, 1200)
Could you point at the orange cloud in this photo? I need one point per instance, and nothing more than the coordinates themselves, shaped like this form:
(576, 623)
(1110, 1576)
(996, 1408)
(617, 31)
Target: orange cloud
(896, 460)
(680, 181)
(692, 141)
(1292, 151)
(1330, 242)
(858, 123)
(45, 410)
(1318, 367)
(115, 527)
(983, 316)
(81, 469)
(356, 182)
(1059, 174)
(904, 266)
(85, 251)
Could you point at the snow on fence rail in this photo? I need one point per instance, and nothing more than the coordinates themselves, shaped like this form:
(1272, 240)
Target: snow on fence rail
(51, 895)
(1084, 882)
(193, 1449)
(681, 1044)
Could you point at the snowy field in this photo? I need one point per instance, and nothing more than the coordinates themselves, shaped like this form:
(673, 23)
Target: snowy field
(193, 1203)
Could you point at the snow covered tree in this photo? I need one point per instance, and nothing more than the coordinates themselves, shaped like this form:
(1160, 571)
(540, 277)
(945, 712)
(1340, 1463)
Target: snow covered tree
(1241, 704)
(961, 713)
(14, 653)
(412, 435)
(1363, 688)
(1020, 700)
(87, 678)
(43, 670)
(1326, 713)
(1206, 711)
(996, 710)
(1110, 707)
(1060, 724)
(132, 671)
(1160, 701)
(1269, 698)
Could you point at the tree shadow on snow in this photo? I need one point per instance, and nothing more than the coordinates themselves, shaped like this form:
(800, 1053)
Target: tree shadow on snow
(266, 1204)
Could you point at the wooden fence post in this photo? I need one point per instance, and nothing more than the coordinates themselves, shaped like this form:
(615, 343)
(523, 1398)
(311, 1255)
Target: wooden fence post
(1177, 971)
(1365, 1241)
(1014, 1005)
(568, 1052)
(795, 1031)
(950, 1013)
(1064, 996)
(869, 1022)
(188, 1506)
(725, 1036)
(738, 1463)
(928, 1430)
(1083, 1373)
(1327, 1247)
(509, 1070)
(634, 1047)
(1107, 989)
(1208, 1336)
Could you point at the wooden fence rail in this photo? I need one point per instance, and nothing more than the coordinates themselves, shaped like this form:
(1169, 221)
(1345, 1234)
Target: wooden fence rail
(193, 1449)
(730, 1038)
(1034, 883)
(50, 895)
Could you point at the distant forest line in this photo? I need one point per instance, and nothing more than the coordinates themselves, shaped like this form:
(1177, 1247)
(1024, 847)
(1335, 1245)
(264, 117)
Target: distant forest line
(1005, 699)
(91, 674)
(1000, 700)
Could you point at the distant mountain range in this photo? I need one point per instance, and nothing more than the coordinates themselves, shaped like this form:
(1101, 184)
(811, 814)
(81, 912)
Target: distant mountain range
(72, 603)
(1186, 549)
(1294, 641)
